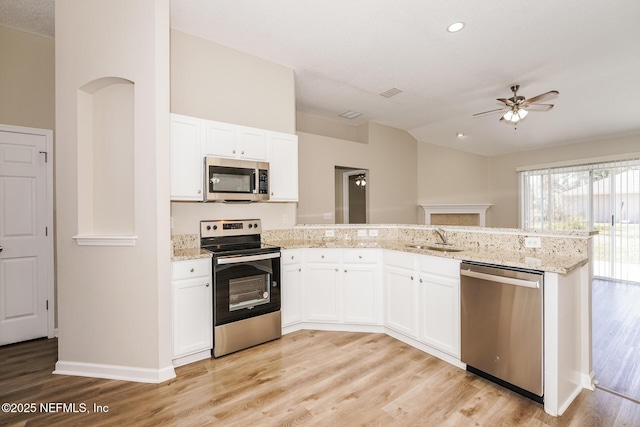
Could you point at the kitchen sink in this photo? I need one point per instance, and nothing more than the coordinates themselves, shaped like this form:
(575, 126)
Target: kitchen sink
(436, 247)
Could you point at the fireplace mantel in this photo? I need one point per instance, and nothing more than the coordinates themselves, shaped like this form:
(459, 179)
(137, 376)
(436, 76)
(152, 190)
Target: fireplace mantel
(453, 209)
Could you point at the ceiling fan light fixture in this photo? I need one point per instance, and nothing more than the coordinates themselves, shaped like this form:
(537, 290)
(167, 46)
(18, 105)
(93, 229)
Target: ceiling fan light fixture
(455, 27)
(514, 116)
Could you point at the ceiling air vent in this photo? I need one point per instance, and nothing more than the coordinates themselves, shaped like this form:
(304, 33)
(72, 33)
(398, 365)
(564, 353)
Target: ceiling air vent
(391, 92)
(350, 114)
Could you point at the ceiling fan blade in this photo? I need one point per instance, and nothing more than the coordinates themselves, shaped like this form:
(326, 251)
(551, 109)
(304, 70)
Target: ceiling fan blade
(506, 101)
(539, 107)
(490, 111)
(548, 95)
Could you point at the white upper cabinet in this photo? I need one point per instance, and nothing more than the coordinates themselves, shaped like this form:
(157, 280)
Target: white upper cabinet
(235, 142)
(221, 139)
(192, 139)
(283, 167)
(186, 158)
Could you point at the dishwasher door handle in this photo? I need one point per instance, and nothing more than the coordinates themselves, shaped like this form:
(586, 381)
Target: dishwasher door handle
(500, 279)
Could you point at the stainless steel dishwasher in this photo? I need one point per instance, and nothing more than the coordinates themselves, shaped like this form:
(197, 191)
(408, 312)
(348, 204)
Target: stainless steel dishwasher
(502, 326)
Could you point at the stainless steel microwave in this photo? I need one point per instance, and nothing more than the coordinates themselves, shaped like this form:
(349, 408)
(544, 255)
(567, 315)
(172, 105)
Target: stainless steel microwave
(235, 180)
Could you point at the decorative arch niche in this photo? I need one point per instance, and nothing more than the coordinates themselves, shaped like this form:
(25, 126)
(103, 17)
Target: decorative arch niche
(105, 148)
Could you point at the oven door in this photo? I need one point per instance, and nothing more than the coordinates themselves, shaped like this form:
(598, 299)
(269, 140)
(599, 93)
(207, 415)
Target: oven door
(245, 286)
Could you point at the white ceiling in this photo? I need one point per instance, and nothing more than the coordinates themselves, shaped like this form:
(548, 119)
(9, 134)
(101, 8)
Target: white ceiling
(346, 52)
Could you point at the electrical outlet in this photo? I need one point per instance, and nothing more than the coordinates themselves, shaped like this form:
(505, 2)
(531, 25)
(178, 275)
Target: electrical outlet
(329, 233)
(373, 233)
(285, 219)
(327, 215)
(362, 233)
(532, 242)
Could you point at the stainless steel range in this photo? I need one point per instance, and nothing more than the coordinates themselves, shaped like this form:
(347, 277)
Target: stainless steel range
(246, 285)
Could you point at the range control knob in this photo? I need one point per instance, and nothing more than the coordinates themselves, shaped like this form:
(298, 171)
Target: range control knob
(250, 225)
(215, 227)
(208, 227)
(255, 225)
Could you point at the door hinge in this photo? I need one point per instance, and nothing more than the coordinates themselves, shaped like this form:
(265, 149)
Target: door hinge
(46, 156)
(47, 304)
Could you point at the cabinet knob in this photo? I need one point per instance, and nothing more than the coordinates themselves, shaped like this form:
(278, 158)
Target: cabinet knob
(272, 193)
(360, 256)
(192, 269)
(242, 152)
(411, 277)
(234, 151)
(322, 256)
(299, 269)
(420, 280)
(199, 191)
(345, 271)
(207, 285)
(292, 257)
(336, 269)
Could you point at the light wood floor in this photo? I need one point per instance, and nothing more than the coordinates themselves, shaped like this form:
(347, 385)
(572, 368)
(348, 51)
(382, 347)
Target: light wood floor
(616, 336)
(306, 378)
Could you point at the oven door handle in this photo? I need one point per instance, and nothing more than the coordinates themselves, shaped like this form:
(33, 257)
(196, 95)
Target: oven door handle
(237, 259)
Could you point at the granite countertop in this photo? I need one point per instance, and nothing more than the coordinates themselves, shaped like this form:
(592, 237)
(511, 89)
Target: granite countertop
(186, 254)
(551, 263)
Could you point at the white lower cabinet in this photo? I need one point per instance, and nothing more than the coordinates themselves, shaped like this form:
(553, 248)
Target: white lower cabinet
(322, 287)
(361, 286)
(439, 302)
(291, 287)
(192, 307)
(400, 297)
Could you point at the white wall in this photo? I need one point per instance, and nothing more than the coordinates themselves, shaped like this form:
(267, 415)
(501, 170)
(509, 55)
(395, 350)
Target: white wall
(27, 79)
(214, 82)
(114, 302)
(390, 157)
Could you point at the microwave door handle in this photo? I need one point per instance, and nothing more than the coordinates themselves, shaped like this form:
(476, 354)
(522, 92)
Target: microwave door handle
(240, 259)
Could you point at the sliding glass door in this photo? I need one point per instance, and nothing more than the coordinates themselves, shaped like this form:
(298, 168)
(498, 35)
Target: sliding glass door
(604, 197)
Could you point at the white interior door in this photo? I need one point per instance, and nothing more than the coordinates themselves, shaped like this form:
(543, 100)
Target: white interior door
(26, 267)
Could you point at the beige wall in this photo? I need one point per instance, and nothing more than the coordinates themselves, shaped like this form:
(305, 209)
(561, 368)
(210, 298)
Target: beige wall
(390, 157)
(27, 79)
(214, 82)
(115, 302)
(503, 179)
(450, 176)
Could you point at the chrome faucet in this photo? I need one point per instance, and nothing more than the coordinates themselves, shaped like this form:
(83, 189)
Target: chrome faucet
(443, 235)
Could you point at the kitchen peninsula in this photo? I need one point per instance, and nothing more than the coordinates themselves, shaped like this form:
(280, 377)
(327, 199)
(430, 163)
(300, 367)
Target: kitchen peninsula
(383, 278)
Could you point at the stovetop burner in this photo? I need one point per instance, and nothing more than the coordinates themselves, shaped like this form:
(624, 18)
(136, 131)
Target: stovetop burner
(236, 236)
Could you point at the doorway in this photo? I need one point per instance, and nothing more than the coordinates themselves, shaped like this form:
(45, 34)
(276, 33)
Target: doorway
(26, 234)
(351, 190)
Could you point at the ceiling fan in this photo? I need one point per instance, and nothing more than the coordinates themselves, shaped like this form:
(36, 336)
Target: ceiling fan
(517, 107)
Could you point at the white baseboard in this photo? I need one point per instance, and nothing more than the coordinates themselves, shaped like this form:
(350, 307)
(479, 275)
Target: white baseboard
(184, 360)
(114, 372)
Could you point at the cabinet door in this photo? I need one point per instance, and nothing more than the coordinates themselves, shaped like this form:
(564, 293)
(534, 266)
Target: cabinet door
(400, 301)
(322, 286)
(252, 144)
(283, 167)
(291, 292)
(360, 287)
(439, 298)
(192, 316)
(187, 180)
(221, 139)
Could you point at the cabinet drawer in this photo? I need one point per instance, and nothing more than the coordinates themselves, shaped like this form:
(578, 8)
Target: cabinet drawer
(190, 269)
(291, 257)
(364, 256)
(323, 255)
(441, 266)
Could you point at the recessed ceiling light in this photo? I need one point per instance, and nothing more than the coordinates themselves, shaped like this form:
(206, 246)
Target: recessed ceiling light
(460, 135)
(350, 114)
(455, 27)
